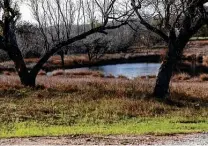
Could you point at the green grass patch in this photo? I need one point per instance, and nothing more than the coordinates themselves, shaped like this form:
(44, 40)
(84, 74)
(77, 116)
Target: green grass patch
(198, 38)
(155, 126)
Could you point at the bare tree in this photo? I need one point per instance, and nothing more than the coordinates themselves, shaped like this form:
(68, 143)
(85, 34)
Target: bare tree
(106, 13)
(175, 21)
(125, 38)
(29, 40)
(96, 48)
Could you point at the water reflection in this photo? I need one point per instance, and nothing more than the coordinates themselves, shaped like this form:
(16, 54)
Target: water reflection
(129, 70)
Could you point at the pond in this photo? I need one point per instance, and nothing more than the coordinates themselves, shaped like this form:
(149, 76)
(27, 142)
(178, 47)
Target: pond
(130, 70)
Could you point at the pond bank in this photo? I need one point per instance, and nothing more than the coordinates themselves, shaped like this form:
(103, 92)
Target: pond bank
(79, 61)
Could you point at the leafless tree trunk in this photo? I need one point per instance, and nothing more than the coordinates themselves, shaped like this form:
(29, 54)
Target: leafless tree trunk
(176, 22)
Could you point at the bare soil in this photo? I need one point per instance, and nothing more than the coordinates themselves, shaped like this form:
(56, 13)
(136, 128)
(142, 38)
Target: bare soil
(179, 139)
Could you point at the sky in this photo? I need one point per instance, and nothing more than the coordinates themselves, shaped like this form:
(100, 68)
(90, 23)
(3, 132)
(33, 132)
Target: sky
(27, 16)
(26, 13)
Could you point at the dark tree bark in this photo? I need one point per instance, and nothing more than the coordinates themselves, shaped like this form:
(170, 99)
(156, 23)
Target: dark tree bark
(61, 53)
(180, 22)
(163, 79)
(165, 72)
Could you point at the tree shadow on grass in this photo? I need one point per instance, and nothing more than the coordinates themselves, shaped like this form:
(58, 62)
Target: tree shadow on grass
(182, 100)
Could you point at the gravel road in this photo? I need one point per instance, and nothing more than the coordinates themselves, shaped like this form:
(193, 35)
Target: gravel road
(191, 139)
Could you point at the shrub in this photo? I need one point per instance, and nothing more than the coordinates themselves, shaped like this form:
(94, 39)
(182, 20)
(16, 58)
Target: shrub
(204, 77)
(122, 77)
(110, 76)
(32, 54)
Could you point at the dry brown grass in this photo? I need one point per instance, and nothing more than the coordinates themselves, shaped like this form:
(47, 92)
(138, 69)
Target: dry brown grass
(77, 73)
(31, 60)
(110, 76)
(69, 60)
(205, 59)
(58, 72)
(182, 76)
(7, 73)
(122, 77)
(98, 74)
(42, 73)
(66, 101)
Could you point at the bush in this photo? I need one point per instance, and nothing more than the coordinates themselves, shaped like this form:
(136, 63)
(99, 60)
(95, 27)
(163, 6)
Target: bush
(122, 77)
(204, 77)
(110, 76)
(32, 54)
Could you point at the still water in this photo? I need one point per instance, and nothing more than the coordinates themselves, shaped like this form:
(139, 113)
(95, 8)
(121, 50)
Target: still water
(130, 70)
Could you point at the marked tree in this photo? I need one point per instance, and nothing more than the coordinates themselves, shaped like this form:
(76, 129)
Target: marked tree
(175, 21)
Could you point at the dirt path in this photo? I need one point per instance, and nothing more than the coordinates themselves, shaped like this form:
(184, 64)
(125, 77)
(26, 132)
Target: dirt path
(191, 139)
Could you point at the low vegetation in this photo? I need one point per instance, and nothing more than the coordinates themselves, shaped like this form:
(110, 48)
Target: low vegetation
(94, 105)
(204, 77)
(182, 76)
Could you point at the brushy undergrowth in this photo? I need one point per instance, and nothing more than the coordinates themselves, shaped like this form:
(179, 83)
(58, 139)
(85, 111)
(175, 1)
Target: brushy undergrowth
(182, 76)
(71, 102)
(203, 77)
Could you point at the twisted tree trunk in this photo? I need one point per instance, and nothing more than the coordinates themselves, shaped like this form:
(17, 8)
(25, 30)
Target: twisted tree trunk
(161, 89)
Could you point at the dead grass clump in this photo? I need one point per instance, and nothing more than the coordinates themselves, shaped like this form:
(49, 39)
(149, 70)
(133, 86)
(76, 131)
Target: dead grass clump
(122, 77)
(31, 60)
(56, 62)
(182, 76)
(98, 74)
(58, 72)
(203, 77)
(142, 77)
(152, 76)
(110, 76)
(135, 108)
(42, 73)
(84, 73)
(80, 73)
(7, 73)
(67, 88)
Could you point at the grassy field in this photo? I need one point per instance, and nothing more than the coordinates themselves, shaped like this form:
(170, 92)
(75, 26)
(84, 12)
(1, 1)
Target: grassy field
(89, 104)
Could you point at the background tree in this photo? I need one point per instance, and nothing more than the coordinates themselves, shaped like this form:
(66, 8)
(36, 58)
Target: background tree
(123, 38)
(29, 40)
(203, 32)
(96, 48)
(175, 21)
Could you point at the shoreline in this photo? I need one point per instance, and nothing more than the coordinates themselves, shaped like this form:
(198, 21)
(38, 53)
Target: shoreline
(52, 65)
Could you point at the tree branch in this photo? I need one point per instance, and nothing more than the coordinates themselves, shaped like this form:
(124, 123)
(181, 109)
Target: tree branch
(147, 25)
